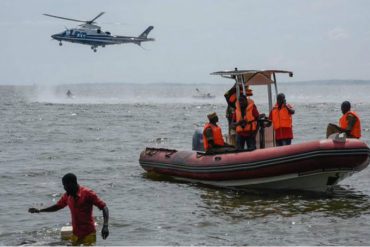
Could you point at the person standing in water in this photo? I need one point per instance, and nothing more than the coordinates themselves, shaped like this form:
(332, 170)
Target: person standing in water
(69, 93)
(80, 201)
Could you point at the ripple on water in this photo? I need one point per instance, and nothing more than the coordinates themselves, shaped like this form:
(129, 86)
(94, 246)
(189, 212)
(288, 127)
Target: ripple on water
(102, 143)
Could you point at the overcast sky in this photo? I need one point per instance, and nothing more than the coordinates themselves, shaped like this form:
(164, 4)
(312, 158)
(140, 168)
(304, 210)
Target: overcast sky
(326, 39)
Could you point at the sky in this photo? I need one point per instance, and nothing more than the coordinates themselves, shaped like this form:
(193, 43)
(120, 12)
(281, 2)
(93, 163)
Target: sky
(316, 39)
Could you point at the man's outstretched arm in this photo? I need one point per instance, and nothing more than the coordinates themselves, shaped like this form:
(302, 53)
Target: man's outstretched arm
(53, 208)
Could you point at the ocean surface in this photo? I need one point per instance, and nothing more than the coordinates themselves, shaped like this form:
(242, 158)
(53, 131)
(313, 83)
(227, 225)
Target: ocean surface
(99, 133)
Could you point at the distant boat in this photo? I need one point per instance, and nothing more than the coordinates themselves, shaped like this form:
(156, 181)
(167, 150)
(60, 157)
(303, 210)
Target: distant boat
(201, 95)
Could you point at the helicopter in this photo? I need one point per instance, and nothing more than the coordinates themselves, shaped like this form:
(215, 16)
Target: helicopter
(91, 34)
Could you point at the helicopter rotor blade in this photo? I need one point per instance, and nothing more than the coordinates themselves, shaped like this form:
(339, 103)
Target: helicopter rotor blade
(69, 19)
(92, 21)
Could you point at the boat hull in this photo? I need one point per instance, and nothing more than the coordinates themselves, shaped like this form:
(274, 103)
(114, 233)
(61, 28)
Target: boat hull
(310, 182)
(313, 166)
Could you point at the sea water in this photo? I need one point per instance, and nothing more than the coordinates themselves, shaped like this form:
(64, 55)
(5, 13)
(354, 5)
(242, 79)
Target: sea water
(98, 134)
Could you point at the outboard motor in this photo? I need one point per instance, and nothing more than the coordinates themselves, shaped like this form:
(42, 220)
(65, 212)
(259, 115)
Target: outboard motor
(198, 140)
(263, 122)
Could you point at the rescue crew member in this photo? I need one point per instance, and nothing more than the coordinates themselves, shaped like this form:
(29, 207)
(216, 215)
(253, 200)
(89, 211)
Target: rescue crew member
(231, 96)
(349, 123)
(230, 112)
(213, 140)
(246, 115)
(281, 117)
(80, 201)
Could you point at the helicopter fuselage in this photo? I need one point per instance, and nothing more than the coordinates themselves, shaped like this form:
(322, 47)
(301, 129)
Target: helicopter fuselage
(95, 37)
(92, 35)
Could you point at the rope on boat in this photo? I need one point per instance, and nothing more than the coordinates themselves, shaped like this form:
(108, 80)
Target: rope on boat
(153, 151)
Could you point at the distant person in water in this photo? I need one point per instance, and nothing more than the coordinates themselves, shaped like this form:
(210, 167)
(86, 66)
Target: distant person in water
(80, 201)
(281, 117)
(69, 93)
(213, 140)
(349, 123)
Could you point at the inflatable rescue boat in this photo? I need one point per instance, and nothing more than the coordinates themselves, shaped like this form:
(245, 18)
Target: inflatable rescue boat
(311, 166)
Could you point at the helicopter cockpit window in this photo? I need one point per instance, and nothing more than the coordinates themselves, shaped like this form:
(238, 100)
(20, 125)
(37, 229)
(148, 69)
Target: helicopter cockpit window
(98, 31)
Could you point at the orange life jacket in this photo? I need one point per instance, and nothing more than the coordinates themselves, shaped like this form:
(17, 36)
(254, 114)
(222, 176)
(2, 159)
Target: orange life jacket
(281, 118)
(251, 125)
(356, 130)
(217, 136)
(232, 98)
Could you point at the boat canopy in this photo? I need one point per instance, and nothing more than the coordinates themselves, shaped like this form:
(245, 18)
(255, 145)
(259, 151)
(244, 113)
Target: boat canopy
(253, 77)
(246, 78)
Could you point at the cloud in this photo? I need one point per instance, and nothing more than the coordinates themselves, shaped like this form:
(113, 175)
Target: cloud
(338, 33)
